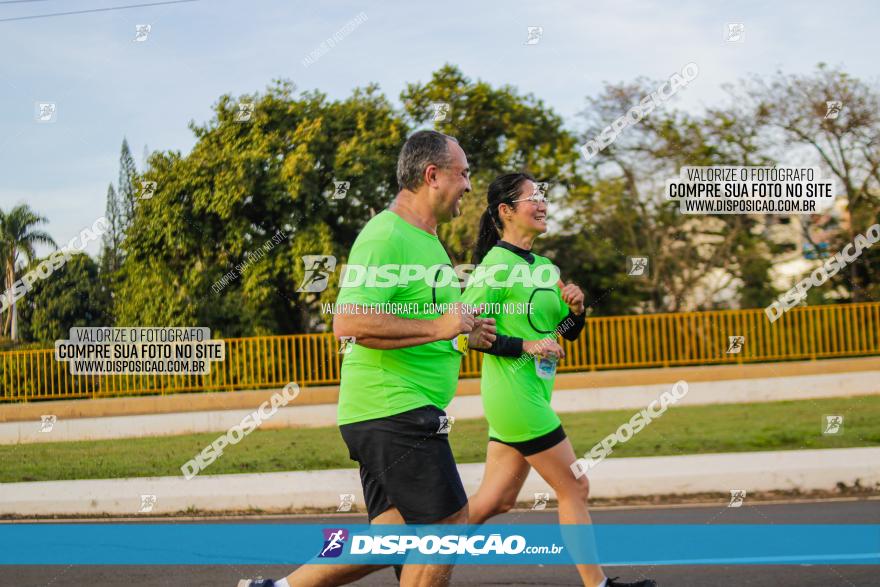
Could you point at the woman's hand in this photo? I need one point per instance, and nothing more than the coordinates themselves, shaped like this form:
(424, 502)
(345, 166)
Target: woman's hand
(573, 296)
(543, 347)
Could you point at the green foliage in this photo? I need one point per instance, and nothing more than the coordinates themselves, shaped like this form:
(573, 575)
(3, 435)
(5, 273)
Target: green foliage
(619, 211)
(128, 186)
(69, 297)
(197, 252)
(501, 132)
(792, 111)
(18, 237)
(242, 184)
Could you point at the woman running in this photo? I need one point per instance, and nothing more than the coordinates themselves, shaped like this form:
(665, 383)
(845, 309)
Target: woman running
(519, 371)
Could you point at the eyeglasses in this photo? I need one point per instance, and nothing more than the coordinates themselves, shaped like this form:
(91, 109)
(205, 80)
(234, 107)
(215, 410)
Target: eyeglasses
(537, 198)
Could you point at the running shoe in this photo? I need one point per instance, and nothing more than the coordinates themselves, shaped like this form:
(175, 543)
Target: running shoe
(613, 582)
(258, 582)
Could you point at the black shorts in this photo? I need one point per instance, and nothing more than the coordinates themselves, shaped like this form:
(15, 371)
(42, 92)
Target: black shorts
(530, 447)
(406, 462)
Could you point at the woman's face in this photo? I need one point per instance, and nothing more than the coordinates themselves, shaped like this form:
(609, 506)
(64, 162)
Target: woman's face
(528, 216)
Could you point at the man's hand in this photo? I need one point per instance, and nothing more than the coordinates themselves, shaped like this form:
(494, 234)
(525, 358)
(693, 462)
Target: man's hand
(573, 297)
(543, 347)
(483, 334)
(457, 321)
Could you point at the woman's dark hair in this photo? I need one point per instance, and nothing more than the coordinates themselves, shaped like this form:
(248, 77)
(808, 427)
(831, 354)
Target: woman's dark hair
(503, 190)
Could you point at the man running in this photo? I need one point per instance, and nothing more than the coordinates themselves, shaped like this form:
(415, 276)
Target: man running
(403, 369)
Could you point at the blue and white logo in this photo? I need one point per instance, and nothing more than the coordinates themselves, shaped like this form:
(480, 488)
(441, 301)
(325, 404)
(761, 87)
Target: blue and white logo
(334, 540)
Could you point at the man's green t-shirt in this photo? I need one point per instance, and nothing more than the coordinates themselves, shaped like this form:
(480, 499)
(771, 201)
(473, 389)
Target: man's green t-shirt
(380, 383)
(516, 401)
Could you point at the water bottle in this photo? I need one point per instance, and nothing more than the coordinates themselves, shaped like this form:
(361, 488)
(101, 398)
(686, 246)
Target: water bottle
(546, 366)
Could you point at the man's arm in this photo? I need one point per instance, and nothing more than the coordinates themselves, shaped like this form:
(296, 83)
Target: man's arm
(482, 337)
(387, 331)
(387, 344)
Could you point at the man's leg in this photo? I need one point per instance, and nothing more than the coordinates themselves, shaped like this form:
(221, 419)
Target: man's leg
(319, 575)
(432, 575)
(406, 462)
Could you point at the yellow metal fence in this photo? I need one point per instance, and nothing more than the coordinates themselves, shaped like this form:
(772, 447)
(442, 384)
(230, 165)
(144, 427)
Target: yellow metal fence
(614, 342)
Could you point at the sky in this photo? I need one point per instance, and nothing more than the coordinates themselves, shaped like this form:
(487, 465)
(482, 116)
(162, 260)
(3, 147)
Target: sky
(107, 86)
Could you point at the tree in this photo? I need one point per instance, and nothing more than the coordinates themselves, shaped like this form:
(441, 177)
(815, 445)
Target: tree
(243, 182)
(18, 236)
(501, 132)
(111, 241)
(620, 212)
(72, 297)
(120, 211)
(796, 114)
(127, 186)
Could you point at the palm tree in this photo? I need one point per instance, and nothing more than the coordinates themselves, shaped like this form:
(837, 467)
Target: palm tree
(17, 239)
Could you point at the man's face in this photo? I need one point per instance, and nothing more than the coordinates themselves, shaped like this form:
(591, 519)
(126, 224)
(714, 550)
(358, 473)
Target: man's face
(450, 184)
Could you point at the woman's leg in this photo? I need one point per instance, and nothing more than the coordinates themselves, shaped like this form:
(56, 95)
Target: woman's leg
(506, 471)
(554, 465)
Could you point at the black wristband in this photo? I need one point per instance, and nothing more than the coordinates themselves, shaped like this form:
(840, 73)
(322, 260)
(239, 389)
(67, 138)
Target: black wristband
(570, 328)
(505, 346)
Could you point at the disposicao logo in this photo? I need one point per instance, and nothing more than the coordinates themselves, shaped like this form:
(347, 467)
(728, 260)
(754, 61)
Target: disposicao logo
(334, 540)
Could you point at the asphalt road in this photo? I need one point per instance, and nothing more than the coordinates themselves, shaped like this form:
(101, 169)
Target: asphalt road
(861, 511)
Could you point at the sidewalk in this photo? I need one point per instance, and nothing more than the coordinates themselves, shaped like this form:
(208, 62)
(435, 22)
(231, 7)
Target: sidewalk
(803, 470)
(136, 417)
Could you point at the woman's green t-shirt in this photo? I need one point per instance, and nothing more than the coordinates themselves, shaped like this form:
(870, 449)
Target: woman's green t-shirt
(516, 400)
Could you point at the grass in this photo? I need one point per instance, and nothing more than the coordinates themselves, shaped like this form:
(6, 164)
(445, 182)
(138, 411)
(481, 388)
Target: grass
(786, 425)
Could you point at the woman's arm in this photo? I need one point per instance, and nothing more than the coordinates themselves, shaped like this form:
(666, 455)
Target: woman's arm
(505, 346)
(571, 326)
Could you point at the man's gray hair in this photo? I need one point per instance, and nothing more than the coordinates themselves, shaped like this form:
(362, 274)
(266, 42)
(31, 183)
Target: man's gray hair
(426, 147)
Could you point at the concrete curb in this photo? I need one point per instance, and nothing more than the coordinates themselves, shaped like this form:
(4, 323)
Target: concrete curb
(730, 391)
(803, 470)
